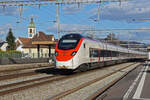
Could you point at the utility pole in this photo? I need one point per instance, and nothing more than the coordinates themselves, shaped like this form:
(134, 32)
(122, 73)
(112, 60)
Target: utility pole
(98, 10)
(58, 20)
(129, 40)
(20, 12)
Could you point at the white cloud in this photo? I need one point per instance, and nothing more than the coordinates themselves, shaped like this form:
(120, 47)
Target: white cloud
(131, 35)
(140, 35)
(68, 27)
(72, 9)
(127, 11)
(8, 11)
(11, 11)
(4, 30)
(74, 28)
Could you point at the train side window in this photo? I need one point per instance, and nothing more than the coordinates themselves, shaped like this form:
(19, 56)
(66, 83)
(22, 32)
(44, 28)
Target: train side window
(91, 51)
(94, 52)
(84, 45)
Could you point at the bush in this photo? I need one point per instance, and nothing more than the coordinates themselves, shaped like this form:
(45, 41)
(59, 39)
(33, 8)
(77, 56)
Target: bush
(13, 51)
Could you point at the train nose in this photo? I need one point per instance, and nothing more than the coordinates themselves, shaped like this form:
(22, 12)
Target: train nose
(65, 55)
(64, 65)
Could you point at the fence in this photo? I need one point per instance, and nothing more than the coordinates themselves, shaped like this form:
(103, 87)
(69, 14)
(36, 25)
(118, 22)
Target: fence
(35, 55)
(10, 55)
(24, 55)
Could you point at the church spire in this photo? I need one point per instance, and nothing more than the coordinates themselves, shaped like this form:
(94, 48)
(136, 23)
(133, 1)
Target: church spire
(31, 29)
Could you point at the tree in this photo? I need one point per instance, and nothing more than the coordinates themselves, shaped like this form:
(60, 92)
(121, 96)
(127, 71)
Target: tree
(111, 37)
(11, 40)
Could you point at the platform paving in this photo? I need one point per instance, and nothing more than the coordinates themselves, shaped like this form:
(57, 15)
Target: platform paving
(135, 86)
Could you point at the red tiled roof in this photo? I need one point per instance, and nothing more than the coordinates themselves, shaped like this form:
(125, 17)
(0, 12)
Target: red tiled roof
(42, 37)
(27, 42)
(24, 40)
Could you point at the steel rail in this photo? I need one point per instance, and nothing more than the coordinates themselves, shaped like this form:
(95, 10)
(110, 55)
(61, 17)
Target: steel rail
(11, 68)
(12, 76)
(65, 93)
(6, 92)
(18, 69)
(24, 82)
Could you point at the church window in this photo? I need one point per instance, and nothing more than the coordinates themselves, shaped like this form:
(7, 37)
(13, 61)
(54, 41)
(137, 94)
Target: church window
(30, 30)
(30, 35)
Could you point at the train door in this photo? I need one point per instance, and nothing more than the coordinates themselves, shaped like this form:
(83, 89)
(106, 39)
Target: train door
(85, 52)
(99, 56)
(102, 53)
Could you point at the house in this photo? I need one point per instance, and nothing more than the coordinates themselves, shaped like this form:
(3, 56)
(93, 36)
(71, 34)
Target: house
(3, 46)
(37, 44)
(20, 42)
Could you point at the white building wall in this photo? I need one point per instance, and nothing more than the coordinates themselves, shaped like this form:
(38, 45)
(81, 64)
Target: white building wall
(149, 55)
(32, 52)
(4, 47)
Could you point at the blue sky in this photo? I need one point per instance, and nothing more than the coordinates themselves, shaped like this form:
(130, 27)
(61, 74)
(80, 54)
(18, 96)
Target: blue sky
(81, 17)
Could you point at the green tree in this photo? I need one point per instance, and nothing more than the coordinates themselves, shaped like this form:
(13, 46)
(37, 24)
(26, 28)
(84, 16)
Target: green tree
(11, 40)
(111, 37)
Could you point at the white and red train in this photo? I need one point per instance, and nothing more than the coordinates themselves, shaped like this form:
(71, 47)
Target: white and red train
(73, 51)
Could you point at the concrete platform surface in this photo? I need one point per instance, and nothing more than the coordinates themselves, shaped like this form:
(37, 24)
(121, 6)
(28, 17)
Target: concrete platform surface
(135, 86)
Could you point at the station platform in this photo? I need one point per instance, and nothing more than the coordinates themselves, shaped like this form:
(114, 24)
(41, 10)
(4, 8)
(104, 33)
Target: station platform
(135, 86)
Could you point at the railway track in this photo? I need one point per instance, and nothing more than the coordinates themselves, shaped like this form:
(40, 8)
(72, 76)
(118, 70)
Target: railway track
(73, 90)
(10, 88)
(12, 76)
(11, 73)
(20, 72)
(19, 69)
(28, 84)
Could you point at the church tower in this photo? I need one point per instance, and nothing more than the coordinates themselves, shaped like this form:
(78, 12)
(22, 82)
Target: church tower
(31, 29)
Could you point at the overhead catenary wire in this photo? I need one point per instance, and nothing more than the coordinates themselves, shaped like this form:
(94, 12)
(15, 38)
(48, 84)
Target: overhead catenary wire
(106, 30)
(47, 2)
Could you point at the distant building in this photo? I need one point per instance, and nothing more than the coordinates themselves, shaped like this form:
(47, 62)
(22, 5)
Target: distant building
(3, 46)
(37, 44)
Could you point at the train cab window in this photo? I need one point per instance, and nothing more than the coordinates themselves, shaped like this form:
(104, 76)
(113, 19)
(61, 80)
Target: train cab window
(69, 42)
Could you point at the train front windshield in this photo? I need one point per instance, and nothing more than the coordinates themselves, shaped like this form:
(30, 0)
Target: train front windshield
(68, 42)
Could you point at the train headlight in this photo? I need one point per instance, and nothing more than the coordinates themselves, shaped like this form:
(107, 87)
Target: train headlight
(73, 53)
(56, 53)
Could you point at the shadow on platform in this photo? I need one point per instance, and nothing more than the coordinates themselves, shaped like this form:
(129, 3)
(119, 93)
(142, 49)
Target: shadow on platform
(148, 71)
(55, 71)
